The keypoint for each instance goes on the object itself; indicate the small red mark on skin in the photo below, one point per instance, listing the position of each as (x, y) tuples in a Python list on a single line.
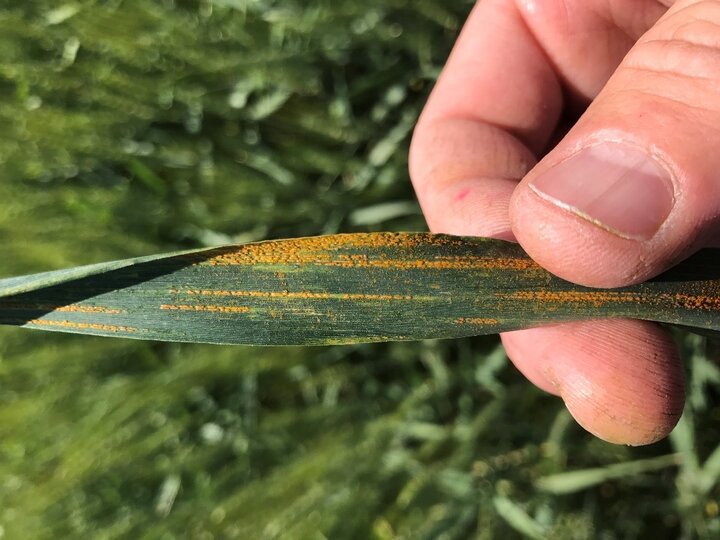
[(463, 193)]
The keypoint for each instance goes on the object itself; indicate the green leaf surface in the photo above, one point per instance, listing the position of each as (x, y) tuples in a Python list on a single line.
[(344, 288)]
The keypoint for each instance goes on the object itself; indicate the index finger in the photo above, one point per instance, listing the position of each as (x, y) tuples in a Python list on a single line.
[(495, 105)]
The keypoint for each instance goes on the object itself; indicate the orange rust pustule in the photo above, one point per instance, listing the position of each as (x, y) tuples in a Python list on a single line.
[(331, 251), (697, 301), (89, 309), (600, 298), (365, 261), (593, 298), (83, 326), (439, 263), (479, 321), (70, 308), (296, 295), (310, 248), (201, 307)]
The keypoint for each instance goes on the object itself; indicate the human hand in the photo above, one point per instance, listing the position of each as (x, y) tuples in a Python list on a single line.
[(632, 188)]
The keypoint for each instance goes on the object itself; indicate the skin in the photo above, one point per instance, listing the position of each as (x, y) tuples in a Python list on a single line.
[(527, 84)]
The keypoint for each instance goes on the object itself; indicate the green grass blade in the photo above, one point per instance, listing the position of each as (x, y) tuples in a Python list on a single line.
[(518, 519), (710, 471), (574, 481), (343, 289)]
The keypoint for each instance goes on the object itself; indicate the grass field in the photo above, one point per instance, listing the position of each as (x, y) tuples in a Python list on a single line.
[(134, 127)]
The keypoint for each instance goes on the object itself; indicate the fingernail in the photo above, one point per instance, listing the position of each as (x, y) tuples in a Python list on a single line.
[(617, 187)]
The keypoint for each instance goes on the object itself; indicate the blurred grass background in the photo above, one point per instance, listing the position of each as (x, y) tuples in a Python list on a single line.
[(132, 127)]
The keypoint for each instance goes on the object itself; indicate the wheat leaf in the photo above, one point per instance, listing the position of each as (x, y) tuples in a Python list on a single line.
[(343, 288)]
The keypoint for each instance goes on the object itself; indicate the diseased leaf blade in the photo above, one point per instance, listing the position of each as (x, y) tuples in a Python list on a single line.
[(343, 288)]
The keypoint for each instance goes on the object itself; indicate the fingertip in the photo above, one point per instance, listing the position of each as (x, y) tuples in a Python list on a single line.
[(472, 207), (526, 349), (621, 380), (464, 173), (576, 249)]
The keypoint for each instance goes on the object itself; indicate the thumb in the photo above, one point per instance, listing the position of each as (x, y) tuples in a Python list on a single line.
[(635, 185)]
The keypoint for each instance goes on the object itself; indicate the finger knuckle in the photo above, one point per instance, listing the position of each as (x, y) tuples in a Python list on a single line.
[(682, 48), (672, 58), (697, 23)]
